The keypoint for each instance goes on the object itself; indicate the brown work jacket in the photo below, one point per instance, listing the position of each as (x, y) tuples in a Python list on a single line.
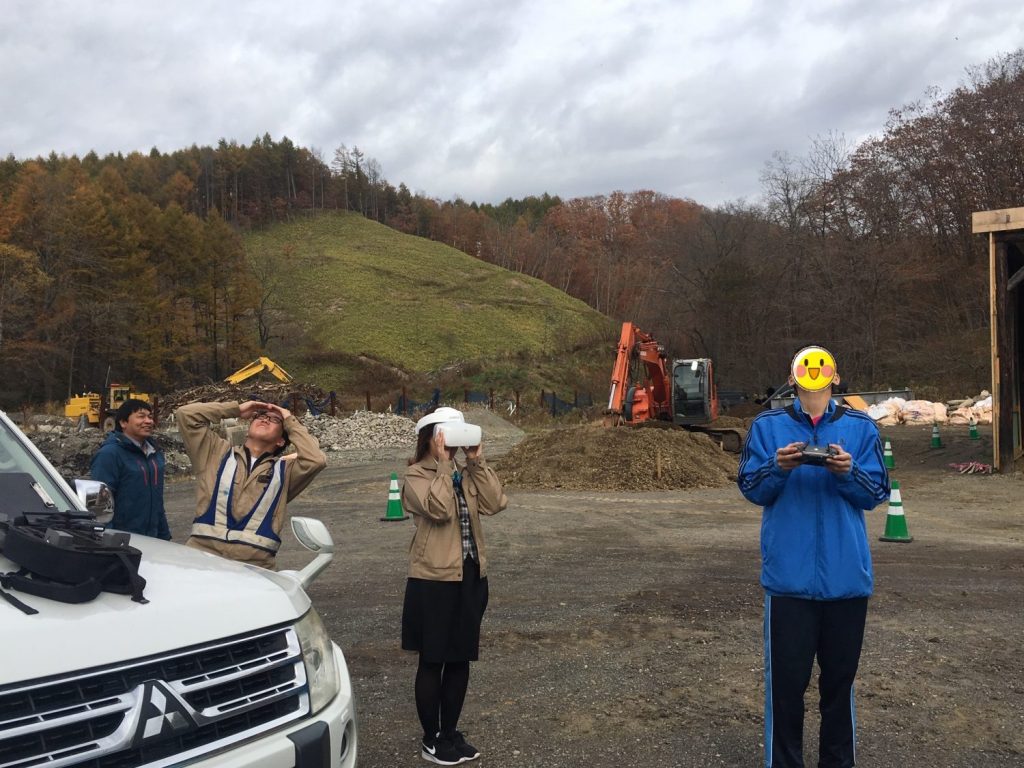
[(428, 494), (207, 449)]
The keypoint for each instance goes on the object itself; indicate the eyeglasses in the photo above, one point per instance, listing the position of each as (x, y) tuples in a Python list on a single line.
[(273, 418)]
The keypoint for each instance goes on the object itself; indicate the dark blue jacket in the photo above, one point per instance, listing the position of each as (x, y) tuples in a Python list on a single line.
[(814, 540), (137, 482)]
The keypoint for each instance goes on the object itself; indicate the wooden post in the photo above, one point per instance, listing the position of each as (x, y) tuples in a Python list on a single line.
[(404, 409), (1002, 364), (516, 393), (367, 399), (333, 399)]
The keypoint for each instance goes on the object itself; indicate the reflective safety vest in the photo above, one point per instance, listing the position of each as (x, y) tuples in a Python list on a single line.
[(257, 527)]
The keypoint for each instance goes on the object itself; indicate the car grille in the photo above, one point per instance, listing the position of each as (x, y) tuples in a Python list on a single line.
[(159, 710)]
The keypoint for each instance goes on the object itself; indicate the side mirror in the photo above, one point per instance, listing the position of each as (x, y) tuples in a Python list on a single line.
[(314, 536), (96, 498)]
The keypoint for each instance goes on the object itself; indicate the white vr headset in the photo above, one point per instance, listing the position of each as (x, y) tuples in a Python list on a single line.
[(459, 434), (450, 421)]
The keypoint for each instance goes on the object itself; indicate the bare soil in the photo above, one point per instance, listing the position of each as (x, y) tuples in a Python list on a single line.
[(625, 626)]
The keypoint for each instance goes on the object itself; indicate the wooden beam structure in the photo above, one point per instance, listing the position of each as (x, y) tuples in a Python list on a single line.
[(997, 221), (1005, 229)]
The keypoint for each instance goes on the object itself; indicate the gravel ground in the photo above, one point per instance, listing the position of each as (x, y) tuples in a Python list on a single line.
[(625, 627)]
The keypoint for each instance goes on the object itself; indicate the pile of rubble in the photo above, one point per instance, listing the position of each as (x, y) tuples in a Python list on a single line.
[(70, 449), (293, 395), (362, 430)]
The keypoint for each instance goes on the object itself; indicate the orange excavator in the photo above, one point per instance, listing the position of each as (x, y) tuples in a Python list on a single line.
[(646, 386)]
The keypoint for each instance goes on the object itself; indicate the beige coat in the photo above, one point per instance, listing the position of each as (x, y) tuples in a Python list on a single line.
[(206, 449), (429, 496)]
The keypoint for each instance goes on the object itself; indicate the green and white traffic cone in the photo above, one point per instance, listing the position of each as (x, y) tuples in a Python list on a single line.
[(887, 457), (395, 511), (936, 440), (972, 429), (895, 520)]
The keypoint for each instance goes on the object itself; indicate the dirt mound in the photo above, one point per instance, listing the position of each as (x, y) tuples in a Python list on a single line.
[(617, 459)]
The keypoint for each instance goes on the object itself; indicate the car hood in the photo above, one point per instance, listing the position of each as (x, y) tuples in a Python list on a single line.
[(194, 597)]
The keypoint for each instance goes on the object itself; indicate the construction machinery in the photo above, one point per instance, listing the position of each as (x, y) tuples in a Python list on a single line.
[(99, 411), (259, 365), (647, 387)]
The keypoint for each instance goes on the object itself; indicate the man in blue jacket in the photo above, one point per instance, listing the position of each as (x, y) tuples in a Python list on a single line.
[(133, 466), (815, 467)]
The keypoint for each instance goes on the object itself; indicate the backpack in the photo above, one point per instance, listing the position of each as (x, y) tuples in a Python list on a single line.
[(64, 556)]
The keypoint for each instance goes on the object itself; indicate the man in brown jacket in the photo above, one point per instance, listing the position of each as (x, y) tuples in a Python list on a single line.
[(243, 492)]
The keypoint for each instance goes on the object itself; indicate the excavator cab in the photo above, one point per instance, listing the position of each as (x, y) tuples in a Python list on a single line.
[(694, 400)]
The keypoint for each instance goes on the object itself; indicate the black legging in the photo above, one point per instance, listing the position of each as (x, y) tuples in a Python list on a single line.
[(440, 692)]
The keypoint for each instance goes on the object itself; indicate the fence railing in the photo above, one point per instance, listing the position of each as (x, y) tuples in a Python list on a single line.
[(547, 402)]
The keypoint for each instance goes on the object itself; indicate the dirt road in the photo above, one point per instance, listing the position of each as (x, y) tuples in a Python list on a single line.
[(625, 628)]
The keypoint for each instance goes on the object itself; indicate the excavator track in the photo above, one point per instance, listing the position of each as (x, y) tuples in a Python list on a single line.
[(731, 439)]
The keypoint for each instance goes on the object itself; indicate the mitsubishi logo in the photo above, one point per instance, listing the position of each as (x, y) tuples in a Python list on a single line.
[(162, 713)]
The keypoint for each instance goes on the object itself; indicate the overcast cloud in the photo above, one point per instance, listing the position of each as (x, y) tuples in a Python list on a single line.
[(488, 99)]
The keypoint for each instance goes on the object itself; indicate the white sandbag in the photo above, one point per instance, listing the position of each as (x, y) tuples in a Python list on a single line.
[(918, 412), (962, 415), (880, 411)]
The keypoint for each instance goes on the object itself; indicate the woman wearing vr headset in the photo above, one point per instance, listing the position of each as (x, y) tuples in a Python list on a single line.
[(446, 592)]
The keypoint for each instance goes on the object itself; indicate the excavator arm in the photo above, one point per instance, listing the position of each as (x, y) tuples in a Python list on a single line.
[(639, 356), (258, 365)]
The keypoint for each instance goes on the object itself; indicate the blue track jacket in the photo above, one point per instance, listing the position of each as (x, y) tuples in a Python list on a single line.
[(814, 541), (137, 482)]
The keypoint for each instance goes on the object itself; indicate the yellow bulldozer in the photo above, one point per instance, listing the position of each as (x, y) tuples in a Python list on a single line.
[(100, 413)]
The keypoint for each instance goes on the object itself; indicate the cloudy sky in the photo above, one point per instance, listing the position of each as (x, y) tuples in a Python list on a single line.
[(488, 99)]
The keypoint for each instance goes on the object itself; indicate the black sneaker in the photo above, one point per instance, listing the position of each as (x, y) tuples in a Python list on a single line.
[(463, 747), (440, 750)]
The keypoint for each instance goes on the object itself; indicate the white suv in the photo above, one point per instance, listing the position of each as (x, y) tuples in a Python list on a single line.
[(226, 665)]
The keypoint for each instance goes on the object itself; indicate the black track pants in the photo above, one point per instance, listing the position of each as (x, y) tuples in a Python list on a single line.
[(795, 632)]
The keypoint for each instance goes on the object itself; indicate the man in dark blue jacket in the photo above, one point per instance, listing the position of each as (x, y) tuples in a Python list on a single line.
[(815, 467), (133, 466)]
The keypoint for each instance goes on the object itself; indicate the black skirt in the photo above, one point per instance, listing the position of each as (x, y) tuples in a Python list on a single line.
[(441, 619)]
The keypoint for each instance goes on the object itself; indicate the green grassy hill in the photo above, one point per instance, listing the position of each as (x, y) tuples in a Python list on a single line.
[(354, 304)]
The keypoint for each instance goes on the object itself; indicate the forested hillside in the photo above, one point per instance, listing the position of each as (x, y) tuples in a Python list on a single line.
[(137, 266)]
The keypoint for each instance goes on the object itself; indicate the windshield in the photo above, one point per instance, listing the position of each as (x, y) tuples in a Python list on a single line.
[(688, 382), (17, 455)]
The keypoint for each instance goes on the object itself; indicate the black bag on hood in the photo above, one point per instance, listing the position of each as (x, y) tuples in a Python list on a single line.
[(65, 556)]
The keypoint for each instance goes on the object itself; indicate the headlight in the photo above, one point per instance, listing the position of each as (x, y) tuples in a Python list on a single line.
[(318, 656)]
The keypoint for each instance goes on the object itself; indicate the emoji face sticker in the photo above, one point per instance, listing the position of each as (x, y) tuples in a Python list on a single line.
[(813, 368)]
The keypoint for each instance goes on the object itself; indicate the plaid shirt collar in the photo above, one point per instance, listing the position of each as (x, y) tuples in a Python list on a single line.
[(469, 549)]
